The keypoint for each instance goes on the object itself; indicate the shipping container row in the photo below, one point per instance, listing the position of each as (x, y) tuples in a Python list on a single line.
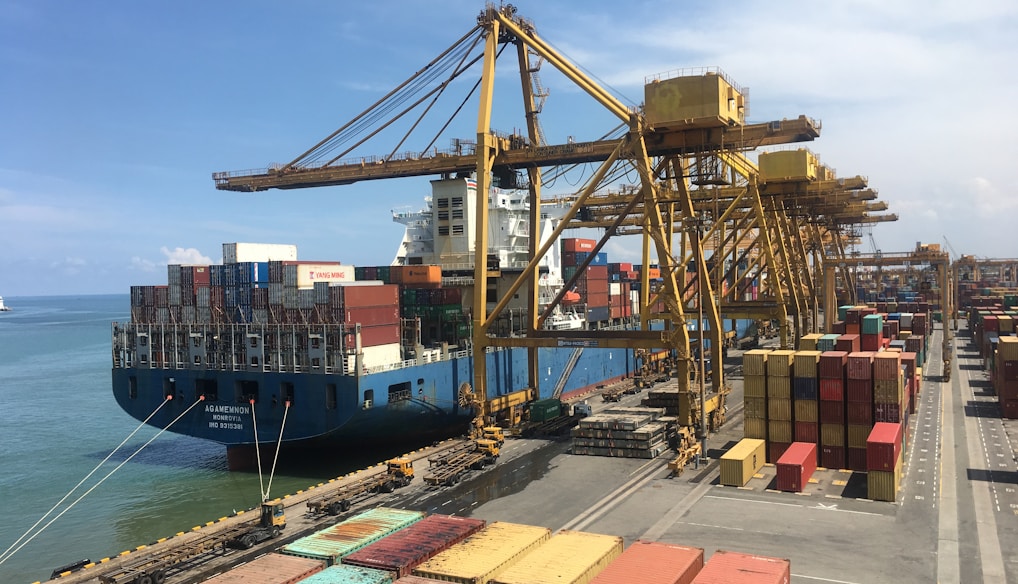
[(385, 545)]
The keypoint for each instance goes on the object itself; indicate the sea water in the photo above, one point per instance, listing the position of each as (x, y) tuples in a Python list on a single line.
[(59, 420)]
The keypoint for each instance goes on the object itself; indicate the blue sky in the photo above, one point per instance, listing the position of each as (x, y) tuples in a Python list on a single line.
[(115, 114)]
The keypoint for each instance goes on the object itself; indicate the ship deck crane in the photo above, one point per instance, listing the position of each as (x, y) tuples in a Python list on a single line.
[(670, 149)]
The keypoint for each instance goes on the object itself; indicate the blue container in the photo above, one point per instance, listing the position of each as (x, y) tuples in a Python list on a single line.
[(805, 388), (598, 314), (600, 259), (894, 316)]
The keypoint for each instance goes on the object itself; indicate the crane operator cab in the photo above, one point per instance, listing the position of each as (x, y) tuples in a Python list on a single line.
[(273, 514)]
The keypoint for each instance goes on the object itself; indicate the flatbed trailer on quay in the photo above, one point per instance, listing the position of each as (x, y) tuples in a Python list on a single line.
[(954, 520)]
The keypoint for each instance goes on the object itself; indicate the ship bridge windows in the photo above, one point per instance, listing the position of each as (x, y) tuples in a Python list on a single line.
[(457, 230), (207, 388), (443, 230), (245, 391), (457, 213), (400, 392)]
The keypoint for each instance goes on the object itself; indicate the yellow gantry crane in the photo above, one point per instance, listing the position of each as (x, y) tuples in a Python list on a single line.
[(696, 191)]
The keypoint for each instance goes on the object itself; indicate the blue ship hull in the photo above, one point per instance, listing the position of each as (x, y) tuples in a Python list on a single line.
[(335, 409)]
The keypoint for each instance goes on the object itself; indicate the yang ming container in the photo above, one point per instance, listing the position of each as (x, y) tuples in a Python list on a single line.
[(349, 575), (406, 549), (570, 557), (333, 543), (270, 569), (484, 555), (734, 568), (742, 461), (652, 562)]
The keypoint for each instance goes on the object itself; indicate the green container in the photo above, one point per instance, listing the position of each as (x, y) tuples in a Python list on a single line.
[(843, 311), (343, 574), (334, 543), (827, 342), (872, 324), (545, 409)]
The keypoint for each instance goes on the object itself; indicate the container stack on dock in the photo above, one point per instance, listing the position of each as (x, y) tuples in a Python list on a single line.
[(741, 462), (884, 460), (625, 432), (779, 402), (754, 382), (805, 391), (832, 407), (1005, 376)]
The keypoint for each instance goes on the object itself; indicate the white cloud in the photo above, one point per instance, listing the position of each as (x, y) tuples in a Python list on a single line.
[(184, 256), (143, 265)]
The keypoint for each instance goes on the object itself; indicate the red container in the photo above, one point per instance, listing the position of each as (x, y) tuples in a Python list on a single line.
[(653, 562), (373, 336), (886, 365), (807, 432), (832, 389), (838, 328), (575, 244), (832, 364), (832, 456), (372, 315), (990, 324), (857, 459), (892, 413), (859, 390), (775, 450), (832, 412), (1010, 368), (908, 359), (360, 296), (1009, 408), (853, 315), (859, 412), (848, 343), (407, 548), (726, 567), (872, 342), (796, 466), (883, 447), (859, 365), (271, 569)]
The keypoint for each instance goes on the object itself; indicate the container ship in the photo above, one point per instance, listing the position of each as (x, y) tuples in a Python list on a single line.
[(266, 348)]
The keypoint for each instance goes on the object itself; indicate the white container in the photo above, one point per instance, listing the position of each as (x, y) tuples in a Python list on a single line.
[(615, 288), (258, 252)]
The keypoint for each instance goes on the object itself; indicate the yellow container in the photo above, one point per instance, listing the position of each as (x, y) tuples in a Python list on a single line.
[(779, 408), (1005, 323), (755, 407), (484, 555), (754, 386), (809, 342), (883, 485), (742, 461), (779, 363), (754, 362), (779, 387), (805, 363), (695, 101), (570, 557), (1007, 348), (806, 410), (857, 435), (754, 428), (788, 165), (832, 435), (780, 430)]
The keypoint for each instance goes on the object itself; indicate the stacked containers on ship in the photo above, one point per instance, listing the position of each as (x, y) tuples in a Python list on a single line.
[(884, 448), (1006, 376), (832, 408), (780, 364), (754, 390), (370, 318), (439, 311), (805, 394)]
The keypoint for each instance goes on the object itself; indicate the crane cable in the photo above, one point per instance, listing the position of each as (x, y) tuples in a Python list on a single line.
[(101, 481)]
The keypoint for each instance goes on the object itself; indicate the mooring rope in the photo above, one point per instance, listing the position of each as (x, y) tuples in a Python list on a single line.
[(258, 451), (101, 481), (279, 442), (6, 552)]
